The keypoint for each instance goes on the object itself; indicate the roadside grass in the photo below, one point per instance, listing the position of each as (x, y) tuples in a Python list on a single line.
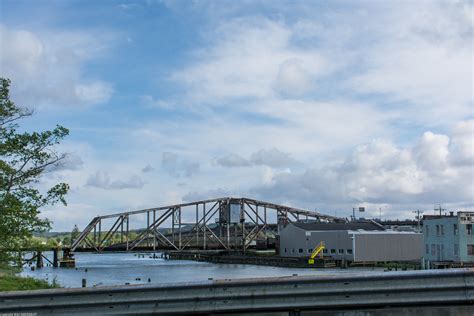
[(11, 282)]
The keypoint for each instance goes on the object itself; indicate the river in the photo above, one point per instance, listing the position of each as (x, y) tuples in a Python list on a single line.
[(100, 269)]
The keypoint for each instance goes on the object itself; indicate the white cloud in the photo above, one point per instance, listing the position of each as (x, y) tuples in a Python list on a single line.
[(178, 167), (422, 57), (150, 102), (264, 157), (101, 179), (94, 92), (72, 161), (211, 194), (232, 160), (272, 158), (337, 99), (431, 153), (169, 162), (148, 168), (248, 58), (382, 173), (45, 67), (462, 141), (293, 79)]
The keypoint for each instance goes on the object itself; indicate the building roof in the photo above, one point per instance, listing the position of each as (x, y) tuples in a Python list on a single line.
[(338, 226), (429, 217)]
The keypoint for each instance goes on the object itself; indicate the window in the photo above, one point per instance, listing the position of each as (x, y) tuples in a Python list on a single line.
[(333, 250), (470, 250), (442, 229), (469, 229), (300, 250), (433, 249), (437, 230), (456, 249), (285, 249), (310, 250), (341, 251), (455, 229), (427, 231), (292, 250), (325, 250), (349, 251), (427, 249)]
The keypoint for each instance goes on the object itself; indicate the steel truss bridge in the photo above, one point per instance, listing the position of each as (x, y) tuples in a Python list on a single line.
[(224, 223)]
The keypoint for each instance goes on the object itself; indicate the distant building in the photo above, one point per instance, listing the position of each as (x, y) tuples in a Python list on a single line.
[(449, 237), (354, 241)]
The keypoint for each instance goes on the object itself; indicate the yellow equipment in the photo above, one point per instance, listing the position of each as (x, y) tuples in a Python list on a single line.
[(316, 251)]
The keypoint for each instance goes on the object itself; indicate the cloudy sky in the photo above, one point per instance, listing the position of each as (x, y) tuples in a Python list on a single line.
[(316, 104)]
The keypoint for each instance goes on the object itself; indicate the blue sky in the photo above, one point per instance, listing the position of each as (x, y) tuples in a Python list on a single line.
[(325, 105)]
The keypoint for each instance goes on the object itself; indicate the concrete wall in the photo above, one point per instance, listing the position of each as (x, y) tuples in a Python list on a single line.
[(387, 246)]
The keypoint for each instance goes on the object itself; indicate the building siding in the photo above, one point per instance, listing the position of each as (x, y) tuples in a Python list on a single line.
[(371, 247), (292, 239), (443, 243)]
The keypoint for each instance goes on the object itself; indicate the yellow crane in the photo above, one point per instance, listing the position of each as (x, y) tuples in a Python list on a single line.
[(316, 251)]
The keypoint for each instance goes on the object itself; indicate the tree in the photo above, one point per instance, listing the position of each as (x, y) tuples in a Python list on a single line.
[(24, 158), (74, 234)]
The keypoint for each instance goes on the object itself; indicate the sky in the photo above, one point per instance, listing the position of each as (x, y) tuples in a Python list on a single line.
[(323, 105)]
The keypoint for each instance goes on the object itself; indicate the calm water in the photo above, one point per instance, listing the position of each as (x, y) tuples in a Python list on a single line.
[(121, 268)]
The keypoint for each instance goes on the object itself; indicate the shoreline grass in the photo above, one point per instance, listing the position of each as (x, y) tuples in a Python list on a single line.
[(11, 282)]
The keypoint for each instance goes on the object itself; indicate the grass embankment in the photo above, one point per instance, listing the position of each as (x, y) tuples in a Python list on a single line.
[(11, 282)]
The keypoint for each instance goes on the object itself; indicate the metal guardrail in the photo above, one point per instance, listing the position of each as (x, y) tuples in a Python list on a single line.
[(281, 294)]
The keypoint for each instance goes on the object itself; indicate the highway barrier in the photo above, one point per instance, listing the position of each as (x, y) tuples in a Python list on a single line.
[(451, 290)]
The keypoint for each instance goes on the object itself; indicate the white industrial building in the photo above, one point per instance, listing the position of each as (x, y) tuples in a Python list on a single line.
[(354, 242)]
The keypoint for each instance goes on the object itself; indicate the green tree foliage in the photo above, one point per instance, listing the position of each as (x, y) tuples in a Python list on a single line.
[(74, 234), (24, 158)]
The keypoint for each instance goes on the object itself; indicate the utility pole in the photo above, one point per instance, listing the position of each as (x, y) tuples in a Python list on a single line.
[(439, 209), (418, 212)]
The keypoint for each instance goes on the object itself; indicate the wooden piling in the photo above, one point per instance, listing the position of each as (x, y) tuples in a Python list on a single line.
[(55, 257), (39, 260)]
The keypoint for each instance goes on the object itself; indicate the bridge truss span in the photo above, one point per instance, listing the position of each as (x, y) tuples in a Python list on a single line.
[(222, 224)]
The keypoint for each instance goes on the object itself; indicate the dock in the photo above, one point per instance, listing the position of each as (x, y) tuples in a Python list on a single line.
[(255, 258)]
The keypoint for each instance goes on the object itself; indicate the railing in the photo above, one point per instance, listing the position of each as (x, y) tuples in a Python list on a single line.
[(316, 251), (451, 289)]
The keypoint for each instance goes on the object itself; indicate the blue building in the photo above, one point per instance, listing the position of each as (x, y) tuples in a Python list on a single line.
[(449, 238)]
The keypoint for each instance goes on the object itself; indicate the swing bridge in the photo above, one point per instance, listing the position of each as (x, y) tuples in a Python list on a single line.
[(217, 224)]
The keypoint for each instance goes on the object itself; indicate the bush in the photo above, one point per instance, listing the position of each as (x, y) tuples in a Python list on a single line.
[(17, 283)]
